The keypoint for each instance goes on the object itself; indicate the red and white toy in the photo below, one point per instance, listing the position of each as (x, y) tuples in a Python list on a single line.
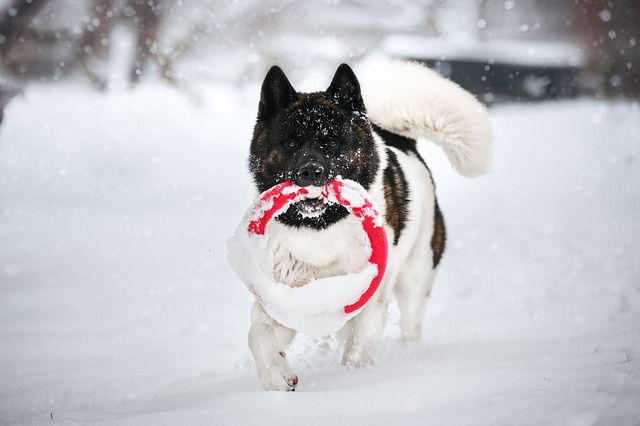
[(321, 306)]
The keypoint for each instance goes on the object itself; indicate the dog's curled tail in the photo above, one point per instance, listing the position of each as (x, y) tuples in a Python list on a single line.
[(412, 100)]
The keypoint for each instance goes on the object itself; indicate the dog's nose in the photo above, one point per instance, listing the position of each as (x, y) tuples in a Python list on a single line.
[(312, 173)]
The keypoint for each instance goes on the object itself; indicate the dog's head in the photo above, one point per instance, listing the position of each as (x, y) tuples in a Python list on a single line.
[(311, 138)]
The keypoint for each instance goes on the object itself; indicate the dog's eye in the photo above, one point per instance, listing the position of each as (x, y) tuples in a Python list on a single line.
[(332, 144), (291, 144)]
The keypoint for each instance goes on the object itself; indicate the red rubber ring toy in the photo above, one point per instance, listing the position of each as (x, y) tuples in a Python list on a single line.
[(323, 305), (367, 214)]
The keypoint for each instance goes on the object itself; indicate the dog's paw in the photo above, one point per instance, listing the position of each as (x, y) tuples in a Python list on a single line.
[(277, 376), (278, 380)]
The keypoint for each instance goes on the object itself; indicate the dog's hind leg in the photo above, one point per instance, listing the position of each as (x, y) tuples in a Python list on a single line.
[(412, 291), (362, 334), (267, 340), (413, 286)]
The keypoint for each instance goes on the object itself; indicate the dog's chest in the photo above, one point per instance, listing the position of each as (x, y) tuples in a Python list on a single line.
[(301, 254)]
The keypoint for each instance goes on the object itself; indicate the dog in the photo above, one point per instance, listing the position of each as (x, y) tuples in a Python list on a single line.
[(369, 136)]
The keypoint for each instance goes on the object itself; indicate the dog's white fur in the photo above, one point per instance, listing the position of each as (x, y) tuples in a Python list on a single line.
[(413, 101)]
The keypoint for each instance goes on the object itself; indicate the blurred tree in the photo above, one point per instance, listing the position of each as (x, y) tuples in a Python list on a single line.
[(34, 46), (145, 15), (610, 34), (15, 23)]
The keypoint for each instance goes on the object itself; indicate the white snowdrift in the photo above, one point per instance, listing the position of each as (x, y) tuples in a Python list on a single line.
[(118, 306)]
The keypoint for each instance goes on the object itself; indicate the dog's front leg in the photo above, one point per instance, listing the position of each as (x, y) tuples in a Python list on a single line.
[(363, 333), (267, 340)]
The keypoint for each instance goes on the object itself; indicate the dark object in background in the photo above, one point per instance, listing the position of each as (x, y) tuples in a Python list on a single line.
[(493, 81), (498, 70)]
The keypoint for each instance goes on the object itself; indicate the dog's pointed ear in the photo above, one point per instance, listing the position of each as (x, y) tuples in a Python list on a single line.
[(277, 93), (344, 89)]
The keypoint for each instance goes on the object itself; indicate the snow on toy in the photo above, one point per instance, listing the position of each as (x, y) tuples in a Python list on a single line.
[(323, 305)]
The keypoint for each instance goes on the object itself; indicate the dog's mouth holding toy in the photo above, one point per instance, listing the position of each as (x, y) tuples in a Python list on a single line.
[(323, 305), (312, 204)]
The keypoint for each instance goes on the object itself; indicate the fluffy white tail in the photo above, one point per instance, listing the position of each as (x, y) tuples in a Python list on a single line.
[(412, 100)]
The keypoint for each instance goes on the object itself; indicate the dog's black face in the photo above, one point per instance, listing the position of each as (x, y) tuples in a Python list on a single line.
[(311, 138)]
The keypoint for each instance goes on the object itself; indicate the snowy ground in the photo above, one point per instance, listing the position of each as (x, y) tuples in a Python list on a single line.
[(117, 306)]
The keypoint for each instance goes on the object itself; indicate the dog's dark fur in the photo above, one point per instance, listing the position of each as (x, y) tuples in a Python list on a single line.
[(324, 131)]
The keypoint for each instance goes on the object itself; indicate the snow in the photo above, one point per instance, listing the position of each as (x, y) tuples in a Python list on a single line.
[(322, 306), (118, 307)]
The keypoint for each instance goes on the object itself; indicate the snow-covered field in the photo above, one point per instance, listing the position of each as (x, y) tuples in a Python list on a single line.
[(117, 306)]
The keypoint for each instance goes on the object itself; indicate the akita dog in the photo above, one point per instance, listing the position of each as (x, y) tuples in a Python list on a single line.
[(311, 139)]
